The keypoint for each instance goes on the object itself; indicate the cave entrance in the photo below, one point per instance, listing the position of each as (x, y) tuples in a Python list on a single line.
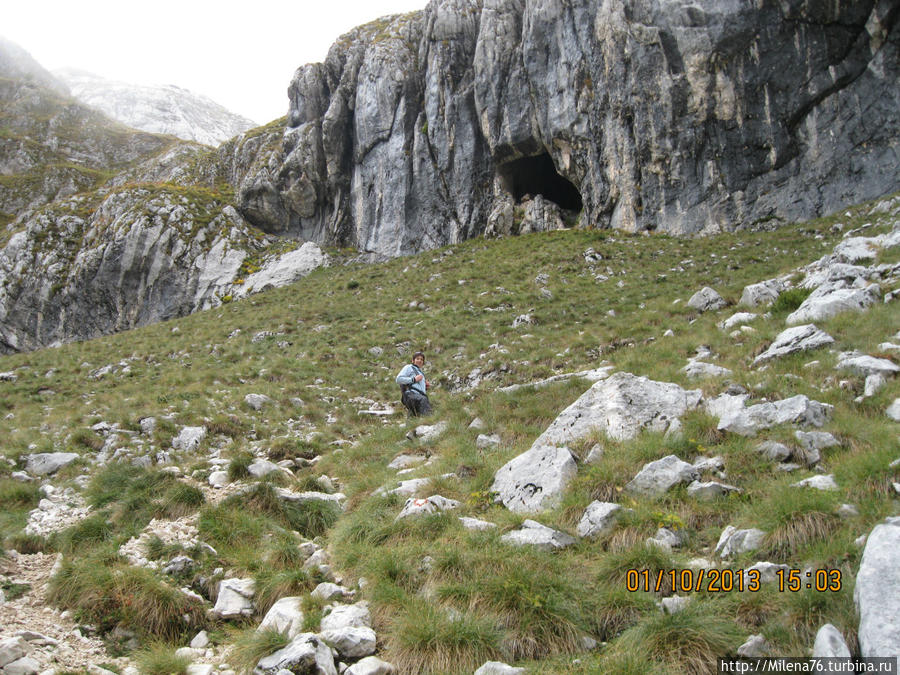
[(538, 176)]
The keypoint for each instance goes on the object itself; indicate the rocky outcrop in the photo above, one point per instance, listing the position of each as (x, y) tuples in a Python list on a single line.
[(428, 128), (161, 109), (136, 256)]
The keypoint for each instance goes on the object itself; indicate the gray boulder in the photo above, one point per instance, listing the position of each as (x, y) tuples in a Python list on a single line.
[(863, 365), (235, 598), (733, 541), (305, 653), (257, 401), (877, 592), (428, 506), (371, 665), (621, 406), (599, 519), (710, 490), (817, 483), (285, 616), (773, 450), (540, 536), (535, 480), (798, 410), (830, 643), (826, 302), (893, 410), (46, 463), (348, 616), (793, 340), (706, 300), (351, 642), (13, 649), (763, 293), (189, 438), (658, 477)]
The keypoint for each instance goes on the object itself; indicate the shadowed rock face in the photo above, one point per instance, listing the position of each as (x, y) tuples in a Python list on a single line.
[(678, 116)]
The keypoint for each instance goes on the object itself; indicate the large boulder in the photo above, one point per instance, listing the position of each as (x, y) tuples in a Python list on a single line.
[(877, 592), (45, 463), (305, 653), (799, 410), (657, 478), (793, 340), (285, 616), (621, 406), (535, 480)]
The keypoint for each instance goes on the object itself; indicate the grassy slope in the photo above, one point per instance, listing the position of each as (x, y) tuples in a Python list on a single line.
[(507, 604)]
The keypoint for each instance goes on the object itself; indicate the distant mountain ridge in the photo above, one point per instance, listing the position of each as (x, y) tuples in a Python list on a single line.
[(161, 109)]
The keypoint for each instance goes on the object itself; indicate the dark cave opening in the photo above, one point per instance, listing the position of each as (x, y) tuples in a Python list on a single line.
[(538, 175)]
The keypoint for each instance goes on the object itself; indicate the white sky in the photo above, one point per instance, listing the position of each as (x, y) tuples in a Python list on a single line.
[(240, 54)]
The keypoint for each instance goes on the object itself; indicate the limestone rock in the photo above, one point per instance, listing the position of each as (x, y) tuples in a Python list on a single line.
[(285, 616), (351, 642), (706, 300), (344, 616), (430, 505), (798, 410), (540, 536), (710, 490), (189, 438), (45, 463), (370, 665), (658, 477), (536, 479), (734, 541), (793, 340), (817, 483), (599, 519), (306, 652), (827, 301), (862, 365), (235, 598), (830, 643), (877, 592)]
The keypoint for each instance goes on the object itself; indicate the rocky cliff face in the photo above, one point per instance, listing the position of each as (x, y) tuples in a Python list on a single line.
[(684, 117), (159, 109)]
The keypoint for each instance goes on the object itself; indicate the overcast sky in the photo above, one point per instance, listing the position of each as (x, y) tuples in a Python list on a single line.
[(240, 54)]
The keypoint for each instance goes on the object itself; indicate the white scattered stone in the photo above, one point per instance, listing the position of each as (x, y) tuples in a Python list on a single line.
[(371, 665), (540, 536), (657, 478), (351, 642), (430, 505), (877, 592), (305, 653), (13, 649), (201, 640), (343, 616), (768, 571), (595, 455), (710, 490), (257, 401), (773, 450), (487, 441), (189, 438), (697, 369), (235, 598), (285, 616), (827, 301), (260, 468), (798, 410), (24, 666), (864, 366), (535, 480), (706, 300), (218, 479), (329, 591), (755, 647), (45, 463), (793, 340), (830, 643), (427, 433), (498, 668), (817, 483), (763, 293), (893, 410), (475, 524), (406, 461), (734, 541), (200, 669), (674, 604), (599, 519)]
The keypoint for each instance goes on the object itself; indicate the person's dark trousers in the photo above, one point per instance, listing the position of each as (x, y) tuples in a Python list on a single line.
[(417, 404)]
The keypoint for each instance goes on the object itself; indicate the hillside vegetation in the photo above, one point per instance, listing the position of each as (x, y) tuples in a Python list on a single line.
[(445, 599)]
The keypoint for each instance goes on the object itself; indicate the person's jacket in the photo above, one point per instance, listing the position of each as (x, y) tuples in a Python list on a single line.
[(408, 376)]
